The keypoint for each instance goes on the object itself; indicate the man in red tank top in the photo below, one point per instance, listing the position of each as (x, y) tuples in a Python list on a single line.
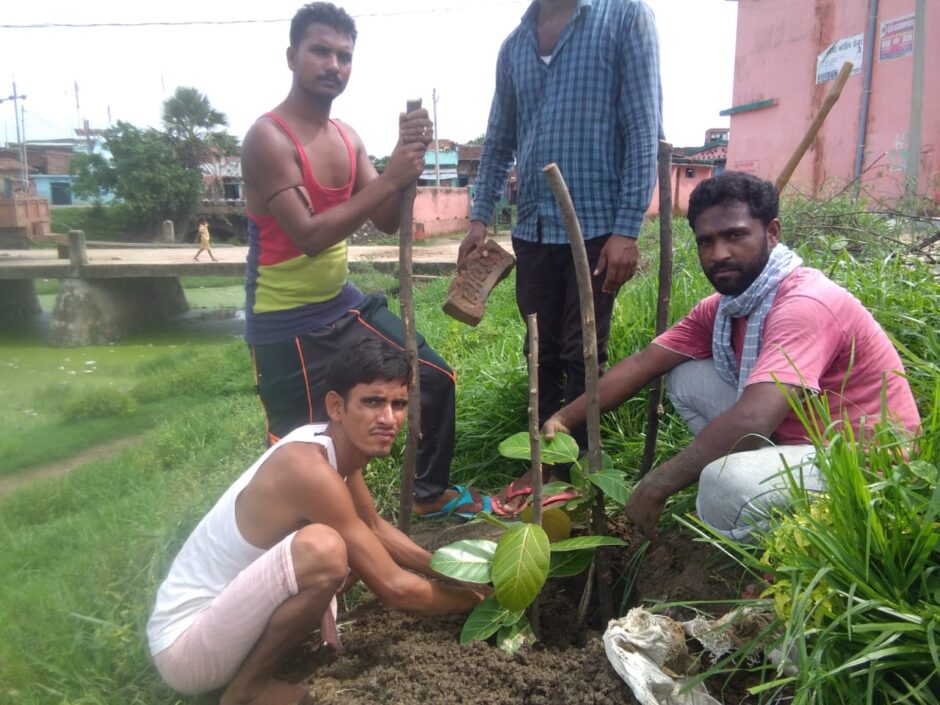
[(309, 184)]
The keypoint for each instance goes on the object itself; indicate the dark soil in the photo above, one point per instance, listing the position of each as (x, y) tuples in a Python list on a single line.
[(391, 658)]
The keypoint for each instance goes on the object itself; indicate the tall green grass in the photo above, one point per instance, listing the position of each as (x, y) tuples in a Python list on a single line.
[(854, 573)]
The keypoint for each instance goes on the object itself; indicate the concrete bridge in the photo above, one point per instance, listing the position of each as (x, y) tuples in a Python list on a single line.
[(108, 292)]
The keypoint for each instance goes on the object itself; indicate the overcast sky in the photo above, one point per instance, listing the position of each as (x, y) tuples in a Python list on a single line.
[(406, 48)]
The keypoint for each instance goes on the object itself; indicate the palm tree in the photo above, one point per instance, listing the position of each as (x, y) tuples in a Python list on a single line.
[(194, 127)]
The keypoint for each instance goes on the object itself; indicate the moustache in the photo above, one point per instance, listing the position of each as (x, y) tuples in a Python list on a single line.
[(719, 268)]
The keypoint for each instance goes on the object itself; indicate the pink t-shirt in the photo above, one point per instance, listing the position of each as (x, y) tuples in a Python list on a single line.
[(808, 341)]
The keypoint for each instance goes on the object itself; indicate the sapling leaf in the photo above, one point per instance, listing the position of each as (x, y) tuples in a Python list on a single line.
[(512, 637), (516, 446), (561, 449), (520, 565), (486, 619), (612, 484), (470, 560), (555, 488), (568, 563), (580, 542)]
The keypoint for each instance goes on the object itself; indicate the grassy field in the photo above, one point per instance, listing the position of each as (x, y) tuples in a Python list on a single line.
[(83, 554)]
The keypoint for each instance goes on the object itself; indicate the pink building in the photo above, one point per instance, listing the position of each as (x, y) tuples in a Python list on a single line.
[(786, 56), (691, 166)]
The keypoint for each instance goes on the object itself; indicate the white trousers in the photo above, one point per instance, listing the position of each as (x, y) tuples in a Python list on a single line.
[(737, 492)]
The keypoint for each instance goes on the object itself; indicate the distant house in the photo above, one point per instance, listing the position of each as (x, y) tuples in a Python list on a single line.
[(468, 163), (49, 165), (11, 174), (443, 161), (885, 129), (691, 166), (222, 179)]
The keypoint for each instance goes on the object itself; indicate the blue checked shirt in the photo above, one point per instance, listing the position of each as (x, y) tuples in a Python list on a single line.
[(595, 110)]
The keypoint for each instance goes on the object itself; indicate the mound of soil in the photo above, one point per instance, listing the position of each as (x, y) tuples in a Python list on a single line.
[(393, 659)]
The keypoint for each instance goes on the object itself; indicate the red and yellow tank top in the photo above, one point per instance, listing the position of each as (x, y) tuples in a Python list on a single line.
[(287, 291)]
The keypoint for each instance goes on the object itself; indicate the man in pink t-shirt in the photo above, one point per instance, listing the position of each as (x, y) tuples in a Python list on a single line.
[(775, 331)]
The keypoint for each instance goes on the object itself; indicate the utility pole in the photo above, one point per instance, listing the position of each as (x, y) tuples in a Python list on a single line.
[(915, 137), (21, 140), (437, 144)]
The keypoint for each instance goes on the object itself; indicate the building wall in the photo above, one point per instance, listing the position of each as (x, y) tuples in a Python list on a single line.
[(685, 177), (439, 211), (777, 46)]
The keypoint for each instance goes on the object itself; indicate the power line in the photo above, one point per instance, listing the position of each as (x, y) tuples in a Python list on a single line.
[(204, 23)]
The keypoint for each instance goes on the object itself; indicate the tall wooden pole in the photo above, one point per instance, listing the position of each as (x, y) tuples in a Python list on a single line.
[(406, 296), (824, 108), (654, 408), (589, 342), (534, 435)]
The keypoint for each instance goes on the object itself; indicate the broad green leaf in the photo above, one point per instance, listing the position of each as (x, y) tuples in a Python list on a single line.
[(520, 565), (512, 637), (568, 563), (579, 542), (516, 446), (612, 484), (470, 560), (555, 488), (486, 619), (561, 449), (577, 476)]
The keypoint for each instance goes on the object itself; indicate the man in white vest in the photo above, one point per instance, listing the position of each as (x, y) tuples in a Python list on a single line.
[(262, 568)]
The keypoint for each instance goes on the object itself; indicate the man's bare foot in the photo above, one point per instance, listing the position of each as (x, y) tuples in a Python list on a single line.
[(274, 692), (450, 494)]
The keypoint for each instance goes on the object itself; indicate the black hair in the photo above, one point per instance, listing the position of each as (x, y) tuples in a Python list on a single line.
[(325, 13), (760, 196), (366, 361)]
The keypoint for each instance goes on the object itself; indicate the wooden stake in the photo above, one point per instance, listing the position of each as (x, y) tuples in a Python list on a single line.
[(536, 450), (534, 434), (406, 296), (654, 408), (824, 108), (589, 342)]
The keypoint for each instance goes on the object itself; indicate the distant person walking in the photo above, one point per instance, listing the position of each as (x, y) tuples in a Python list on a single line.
[(204, 240)]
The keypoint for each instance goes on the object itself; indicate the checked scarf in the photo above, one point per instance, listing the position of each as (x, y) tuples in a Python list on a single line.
[(753, 303)]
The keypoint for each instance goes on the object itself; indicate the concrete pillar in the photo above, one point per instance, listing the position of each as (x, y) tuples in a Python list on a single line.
[(18, 300), (78, 254), (168, 233), (97, 311)]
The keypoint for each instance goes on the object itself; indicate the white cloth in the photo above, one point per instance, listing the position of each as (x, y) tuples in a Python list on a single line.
[(638, 646), (753, 303), (214, 554)]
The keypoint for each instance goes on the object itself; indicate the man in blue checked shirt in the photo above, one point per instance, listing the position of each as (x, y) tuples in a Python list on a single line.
[(577, 83)]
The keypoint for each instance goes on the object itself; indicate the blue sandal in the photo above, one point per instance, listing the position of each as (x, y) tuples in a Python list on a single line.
[(464, 496)]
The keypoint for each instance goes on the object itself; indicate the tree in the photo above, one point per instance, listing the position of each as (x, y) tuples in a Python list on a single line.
[(145, 173), (477, 140), (194, 127), (379, 162)]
